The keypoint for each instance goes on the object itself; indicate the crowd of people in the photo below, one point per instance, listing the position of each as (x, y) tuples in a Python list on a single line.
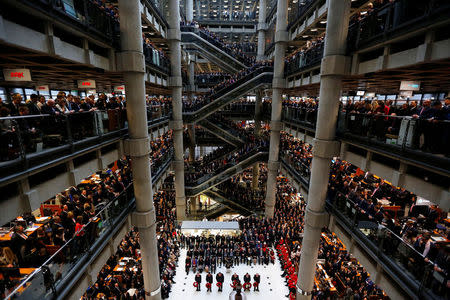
[(69, 222), (239, 188), (123, 279), (305, 57), (394, 209), (210, 78), (155, 55), (221, 159), (233, 49), (223, 87), (72, 218), (382, 119)]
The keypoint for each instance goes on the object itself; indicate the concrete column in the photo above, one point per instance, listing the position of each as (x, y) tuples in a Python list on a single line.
[(138, 146), (262, 27), (325, 147), (191, 78), (27, 196), (189, 10), (72, 172), (258, 107), (278, 83), (202, 151), (175, 83), (191, 132)]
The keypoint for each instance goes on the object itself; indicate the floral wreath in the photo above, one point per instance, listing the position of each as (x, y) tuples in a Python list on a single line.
[(247, 286), (195, 284), (219, 284)]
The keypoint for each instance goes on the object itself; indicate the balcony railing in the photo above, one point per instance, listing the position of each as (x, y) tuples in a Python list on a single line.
[(423, 140), (28, 141), (54, 275), (84, 14), (305, 59), (400, 259), (393, 19)]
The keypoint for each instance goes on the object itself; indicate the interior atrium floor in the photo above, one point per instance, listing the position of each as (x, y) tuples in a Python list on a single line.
[(272, 284)]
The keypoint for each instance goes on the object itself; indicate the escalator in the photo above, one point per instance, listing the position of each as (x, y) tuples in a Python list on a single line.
[(212, 212), (257, 78), (210, 180), (218, 196), (222, 131), (195, 40)]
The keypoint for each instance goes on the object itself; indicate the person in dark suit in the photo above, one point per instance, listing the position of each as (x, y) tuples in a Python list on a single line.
[(15, 104), (49, 108), (209, 279), (33, 108), (257, 279), (198, 279), (220, 278), (18, 243)]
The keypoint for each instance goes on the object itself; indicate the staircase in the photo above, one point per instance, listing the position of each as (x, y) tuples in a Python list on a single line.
[(257, 78), (197, 41), (219, 196), (210, 180), (222, 131)]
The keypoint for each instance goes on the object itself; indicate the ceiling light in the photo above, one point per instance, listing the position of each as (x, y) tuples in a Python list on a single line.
[(323, 22), (363, 12), (313, 29), (305, 36)]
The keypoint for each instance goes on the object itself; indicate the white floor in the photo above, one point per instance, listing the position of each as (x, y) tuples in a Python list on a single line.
[(272, 285)]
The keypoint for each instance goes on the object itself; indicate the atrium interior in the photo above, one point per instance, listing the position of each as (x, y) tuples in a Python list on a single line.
[(225, 149)]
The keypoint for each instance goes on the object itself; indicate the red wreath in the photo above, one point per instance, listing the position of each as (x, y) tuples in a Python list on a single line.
[(255, 284), (247, 286), (234, 284), (195, 284), (208, 285), (219, 284), (292, 296)]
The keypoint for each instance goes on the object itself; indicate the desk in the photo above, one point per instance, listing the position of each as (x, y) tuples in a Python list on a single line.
[(29, 231)]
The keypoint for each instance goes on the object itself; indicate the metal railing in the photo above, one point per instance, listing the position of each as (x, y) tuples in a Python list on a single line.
[(408, 137), (85, 14), (53, 276), (28, 141), (305, 59), (400, 259), (395, 18)]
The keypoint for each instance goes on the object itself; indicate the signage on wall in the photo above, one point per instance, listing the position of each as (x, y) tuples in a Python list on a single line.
[(410, 86), (17, 74), (119, 88), (86, 84), (42, 88)]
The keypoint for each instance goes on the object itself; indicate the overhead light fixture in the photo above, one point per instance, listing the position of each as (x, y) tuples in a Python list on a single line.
[(305, 36), (323, 22), (364, 12), (313, 29)]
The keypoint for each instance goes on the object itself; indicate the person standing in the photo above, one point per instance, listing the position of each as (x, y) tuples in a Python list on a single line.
[(220, 280), (198, 280), (209, 279), (257, 279)]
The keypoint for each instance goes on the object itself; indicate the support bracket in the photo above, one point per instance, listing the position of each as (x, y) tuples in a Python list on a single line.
[(334, 65), (144, 219), (325, 148), (131, 61), (276, 125), (316, 219), (137, 147), (273, 165)]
